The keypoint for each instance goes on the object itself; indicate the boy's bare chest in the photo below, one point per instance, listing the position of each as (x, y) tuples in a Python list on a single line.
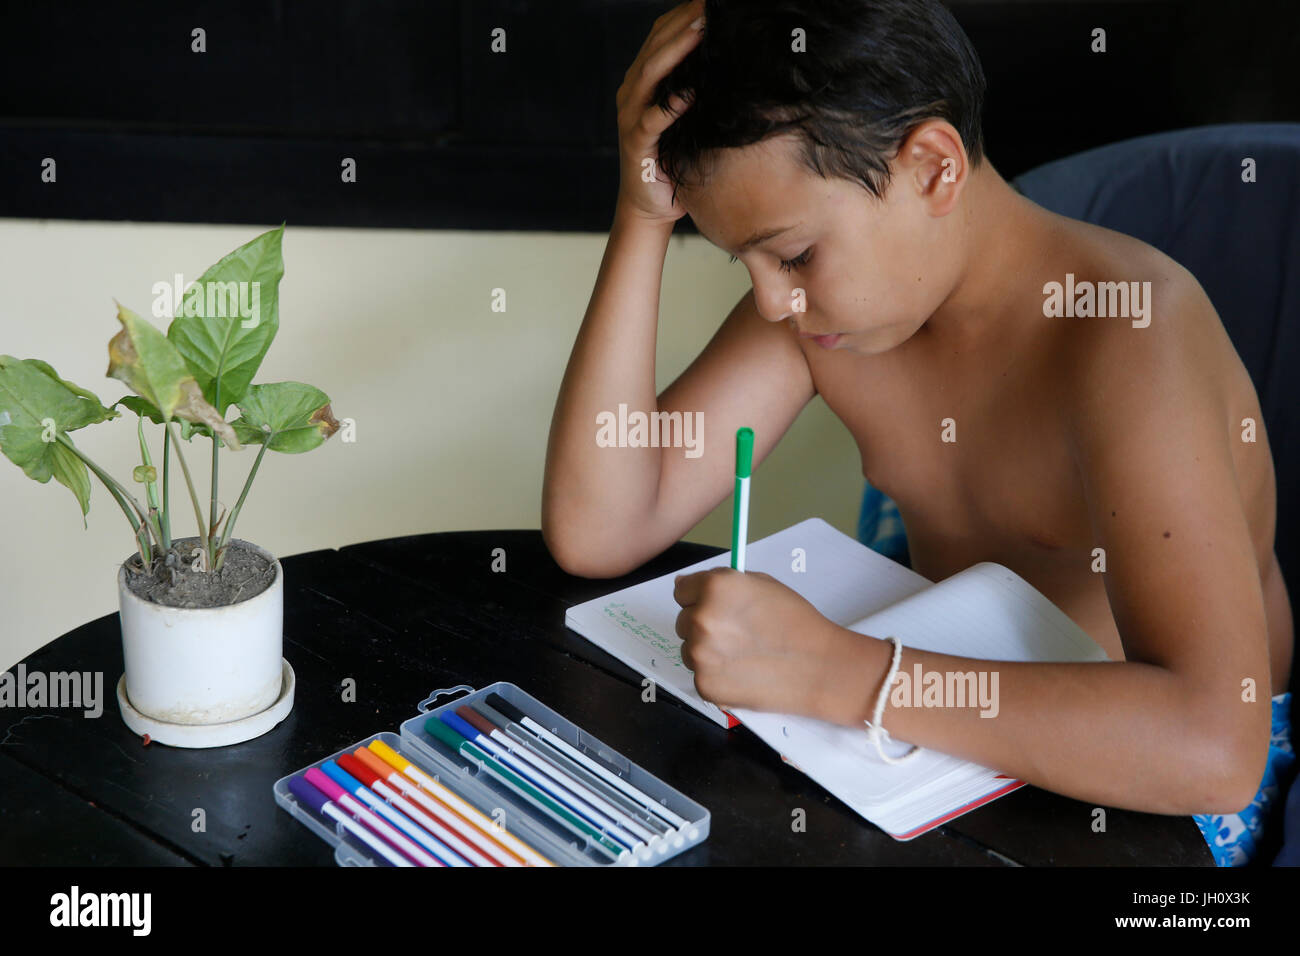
[(976, 458), (980, 468)]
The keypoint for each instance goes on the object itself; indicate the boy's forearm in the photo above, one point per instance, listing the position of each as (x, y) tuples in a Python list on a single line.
[(1121, 734), (587, 489)]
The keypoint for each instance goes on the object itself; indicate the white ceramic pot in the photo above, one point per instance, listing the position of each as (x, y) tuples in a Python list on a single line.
[(202, 666)]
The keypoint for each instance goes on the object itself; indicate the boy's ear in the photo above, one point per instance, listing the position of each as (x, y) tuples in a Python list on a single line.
[(932, 161)]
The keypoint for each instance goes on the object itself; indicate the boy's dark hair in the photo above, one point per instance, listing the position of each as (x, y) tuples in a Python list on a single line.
[(872, 72)]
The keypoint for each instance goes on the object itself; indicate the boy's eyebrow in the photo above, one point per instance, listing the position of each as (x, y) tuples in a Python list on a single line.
[(763, 236)]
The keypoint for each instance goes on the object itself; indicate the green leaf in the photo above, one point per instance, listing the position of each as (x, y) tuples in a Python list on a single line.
[(144, 473), (48, 369), (144, 359), (142, 408), (36, 406), (217, 330), (288, 417), (150, 411), (71, 472)]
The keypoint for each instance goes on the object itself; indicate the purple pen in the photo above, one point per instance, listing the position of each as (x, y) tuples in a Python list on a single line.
[(314, 798)]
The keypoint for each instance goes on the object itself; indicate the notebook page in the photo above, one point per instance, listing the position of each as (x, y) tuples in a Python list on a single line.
[(986, 612), (839, 576)]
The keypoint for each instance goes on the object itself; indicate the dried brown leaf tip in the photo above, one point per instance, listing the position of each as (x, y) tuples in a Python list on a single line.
[(325, 416)]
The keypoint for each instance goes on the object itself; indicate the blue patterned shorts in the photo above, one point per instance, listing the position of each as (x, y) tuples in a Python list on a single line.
[(1233, 838), (880, 526)]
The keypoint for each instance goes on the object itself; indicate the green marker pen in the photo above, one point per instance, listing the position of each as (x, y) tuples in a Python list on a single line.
[(522, 788), (740, 507)]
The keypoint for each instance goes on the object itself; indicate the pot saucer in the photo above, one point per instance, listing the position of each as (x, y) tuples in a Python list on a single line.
[(209, 735)]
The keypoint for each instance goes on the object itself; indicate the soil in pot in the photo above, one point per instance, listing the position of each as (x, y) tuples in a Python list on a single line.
[(173, 582)]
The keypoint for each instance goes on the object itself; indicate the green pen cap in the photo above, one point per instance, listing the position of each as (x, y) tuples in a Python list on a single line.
[(436, 728), (744, 451)]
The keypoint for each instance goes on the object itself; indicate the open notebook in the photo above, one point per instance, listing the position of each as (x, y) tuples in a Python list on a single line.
[(985, 612)]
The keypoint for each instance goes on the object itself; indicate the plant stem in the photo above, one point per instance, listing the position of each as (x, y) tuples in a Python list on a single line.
[(151, 490), (198, 511), (165, 519), (152, 524), (212, 509), (120, 495), (110, 482), (216, 443), (146, 553), (234, 514)]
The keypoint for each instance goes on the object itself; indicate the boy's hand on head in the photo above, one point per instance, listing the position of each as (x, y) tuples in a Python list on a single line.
[(640, 122), (753, 642)]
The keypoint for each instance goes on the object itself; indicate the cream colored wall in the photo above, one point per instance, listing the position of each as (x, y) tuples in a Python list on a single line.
[(451, 400)]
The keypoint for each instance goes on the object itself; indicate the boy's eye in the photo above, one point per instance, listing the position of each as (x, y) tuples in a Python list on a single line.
[(796, 262), (788, 264)]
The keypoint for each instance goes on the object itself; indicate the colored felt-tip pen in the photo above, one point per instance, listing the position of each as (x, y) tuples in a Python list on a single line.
[(559, 793), (424, 800), (740, 500), (561, 762), (400, 820), (514, 713), (428, 829), (428, 787), (604, 814), (458, 744), (354, 807), (315, 799)]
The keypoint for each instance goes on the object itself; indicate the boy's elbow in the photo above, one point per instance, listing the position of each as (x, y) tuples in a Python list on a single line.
[(1235, 793), (562, 550), (1237, 768), (564, 544), (580, 558), (575, 561), (1251, 763)]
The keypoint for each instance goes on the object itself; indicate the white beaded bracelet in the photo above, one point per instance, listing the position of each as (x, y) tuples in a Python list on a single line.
[(874, 730)]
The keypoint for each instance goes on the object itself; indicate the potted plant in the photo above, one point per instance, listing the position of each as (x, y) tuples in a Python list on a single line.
[(201, 616)]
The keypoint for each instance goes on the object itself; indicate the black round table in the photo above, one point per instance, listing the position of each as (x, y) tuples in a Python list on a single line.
[(405, 616)]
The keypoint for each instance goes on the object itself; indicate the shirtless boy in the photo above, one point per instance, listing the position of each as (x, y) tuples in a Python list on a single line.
[(906, 286)]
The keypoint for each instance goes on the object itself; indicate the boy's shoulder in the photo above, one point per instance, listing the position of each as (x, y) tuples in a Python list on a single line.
[(1134, 331)]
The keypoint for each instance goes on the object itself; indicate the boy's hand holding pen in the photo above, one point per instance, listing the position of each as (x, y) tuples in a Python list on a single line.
[(751, 641)]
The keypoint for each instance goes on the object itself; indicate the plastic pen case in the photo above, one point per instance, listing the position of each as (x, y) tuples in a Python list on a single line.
[(494, 777)]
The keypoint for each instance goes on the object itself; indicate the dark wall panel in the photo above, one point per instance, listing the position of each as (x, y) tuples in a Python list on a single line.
[(448, 134)]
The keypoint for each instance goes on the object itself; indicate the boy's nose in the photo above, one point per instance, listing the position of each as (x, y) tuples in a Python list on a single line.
[(774, 306)]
